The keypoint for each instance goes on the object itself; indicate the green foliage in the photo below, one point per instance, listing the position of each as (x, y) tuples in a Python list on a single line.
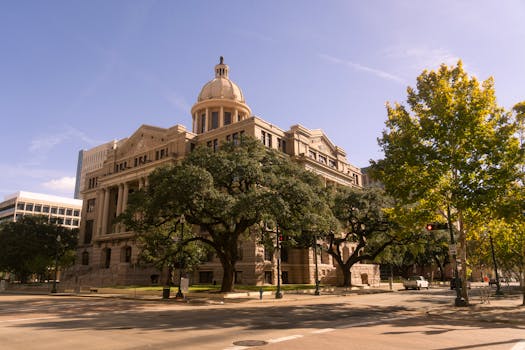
[(454, 149), (224, 194), (364, 215), (457, 147), (29, 246)]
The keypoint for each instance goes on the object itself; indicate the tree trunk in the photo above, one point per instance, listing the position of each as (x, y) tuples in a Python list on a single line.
[(169, 274), (227, 278), (523, 271), (462, 240), (347, 278)]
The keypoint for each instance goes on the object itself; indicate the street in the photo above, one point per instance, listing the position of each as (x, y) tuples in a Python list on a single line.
[(398, 320)]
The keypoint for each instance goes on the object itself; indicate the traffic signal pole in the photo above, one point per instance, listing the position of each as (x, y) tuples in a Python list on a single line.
[(459, 301)]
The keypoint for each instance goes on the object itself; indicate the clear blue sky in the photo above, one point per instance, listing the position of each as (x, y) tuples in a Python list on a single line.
[(74, 74)]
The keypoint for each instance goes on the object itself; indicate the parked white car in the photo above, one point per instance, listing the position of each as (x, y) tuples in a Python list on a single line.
[(415, 282)]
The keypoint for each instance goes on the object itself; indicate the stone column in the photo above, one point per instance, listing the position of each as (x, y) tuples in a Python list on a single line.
[(99, 202), (221, 117), (105, 210), (125, 197), (235, 115), (119, 199), (207, 123)]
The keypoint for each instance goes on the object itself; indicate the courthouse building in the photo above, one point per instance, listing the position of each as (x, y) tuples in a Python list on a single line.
[(108, 253)]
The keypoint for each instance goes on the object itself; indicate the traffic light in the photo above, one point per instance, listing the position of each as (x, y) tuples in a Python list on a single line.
[(437, 226)]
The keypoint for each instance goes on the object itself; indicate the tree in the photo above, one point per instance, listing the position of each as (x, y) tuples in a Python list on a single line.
[(364, 217), (224, 193), (456, 149), (29, 246)]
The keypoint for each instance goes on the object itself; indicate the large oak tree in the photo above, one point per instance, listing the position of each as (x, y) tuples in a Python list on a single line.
[(224, 193)]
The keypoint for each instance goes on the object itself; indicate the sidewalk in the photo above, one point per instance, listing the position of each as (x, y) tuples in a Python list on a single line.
[(502, 309), (506, 309)]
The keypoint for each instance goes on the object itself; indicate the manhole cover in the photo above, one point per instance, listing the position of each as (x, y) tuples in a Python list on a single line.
[(250, 343)]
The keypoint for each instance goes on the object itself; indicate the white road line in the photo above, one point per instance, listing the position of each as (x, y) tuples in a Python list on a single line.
[(290, 337), (325, 330), (519, 346)]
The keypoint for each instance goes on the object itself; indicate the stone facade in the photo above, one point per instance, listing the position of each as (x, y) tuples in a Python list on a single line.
[(107, 253)]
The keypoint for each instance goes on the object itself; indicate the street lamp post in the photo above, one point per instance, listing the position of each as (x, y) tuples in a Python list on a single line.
[(179, 294), (54, 289), (317, 292), (498, 287), (278, 294)]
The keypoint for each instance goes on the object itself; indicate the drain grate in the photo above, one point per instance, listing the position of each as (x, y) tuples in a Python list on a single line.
[(250, 343)]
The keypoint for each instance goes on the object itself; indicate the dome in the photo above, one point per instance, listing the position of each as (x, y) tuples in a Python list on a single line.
[(221, 87)]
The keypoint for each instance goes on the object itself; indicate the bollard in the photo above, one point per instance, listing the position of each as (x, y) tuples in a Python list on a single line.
[(260, 293)]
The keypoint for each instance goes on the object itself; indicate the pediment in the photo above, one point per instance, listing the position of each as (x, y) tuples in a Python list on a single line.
[(143, 139), (321, 142)]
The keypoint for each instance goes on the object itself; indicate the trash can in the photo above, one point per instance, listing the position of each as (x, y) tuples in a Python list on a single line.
[(166, 293)]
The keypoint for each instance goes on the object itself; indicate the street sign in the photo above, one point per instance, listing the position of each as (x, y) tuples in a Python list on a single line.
[(452, 249)]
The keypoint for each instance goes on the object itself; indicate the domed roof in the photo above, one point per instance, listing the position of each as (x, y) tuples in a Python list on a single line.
[(221, 87)]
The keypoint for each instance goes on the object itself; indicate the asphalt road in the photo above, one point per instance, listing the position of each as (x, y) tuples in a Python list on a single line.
[(396, 320)]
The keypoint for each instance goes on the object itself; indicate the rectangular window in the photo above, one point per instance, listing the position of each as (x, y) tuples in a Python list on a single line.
[(75, 222), (284, 254), (205, 276), (29, 207), (227, 118), (214, 120), (88, 233), (107, 260), (69, 212), (54, 210), (20, 206), (38, 208), (238, 277), (269, 136), (127, 254), (203, 123), (235, 138), (312, 154), (228, 138), (284, 277), (76, 212), (90, 206), (268, 277), (268, 254), (45, 209), (68, 222), (333, 163), (322, 159), (61, 211), (215, 145), (208, 144)]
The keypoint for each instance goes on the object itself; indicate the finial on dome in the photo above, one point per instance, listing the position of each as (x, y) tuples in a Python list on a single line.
[(221, 70)]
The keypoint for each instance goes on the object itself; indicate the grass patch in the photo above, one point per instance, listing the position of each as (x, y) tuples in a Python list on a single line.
[(196, 288)]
